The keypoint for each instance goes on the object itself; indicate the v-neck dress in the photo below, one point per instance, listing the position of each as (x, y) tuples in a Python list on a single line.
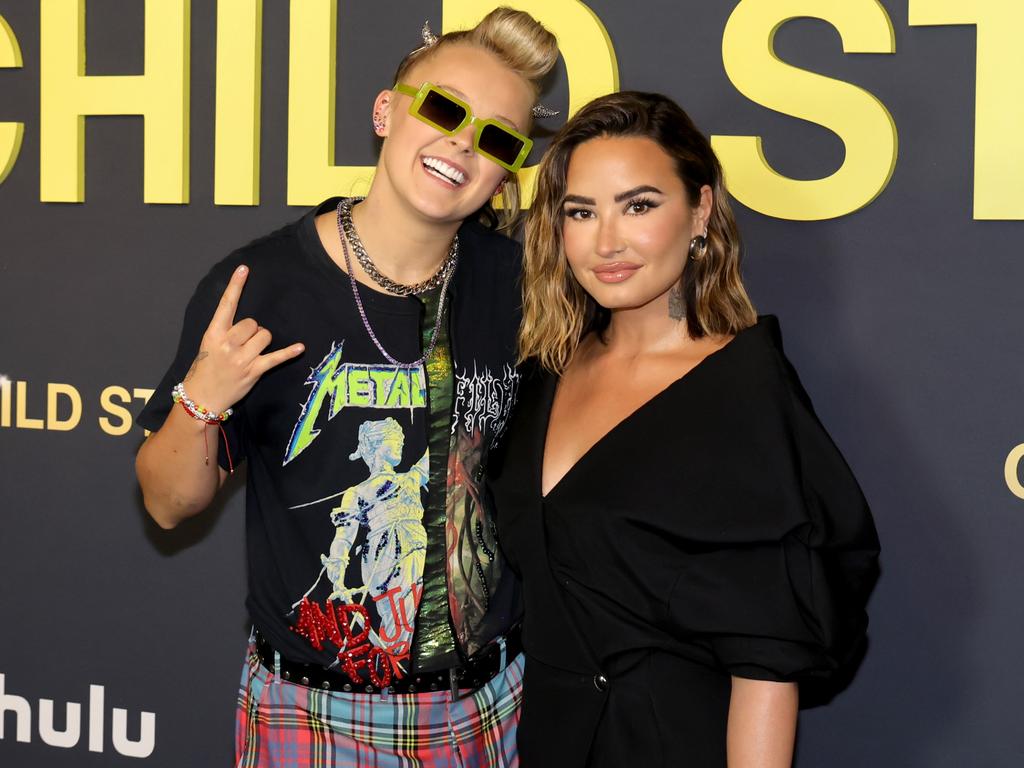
[(716, 531)]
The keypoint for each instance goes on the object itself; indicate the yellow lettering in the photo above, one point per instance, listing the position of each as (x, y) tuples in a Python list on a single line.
[(860, 120), (67, 96), (107, 398), (236, 179), (144, 395), (5, 401), (1011, 471), (21, 419), (586, 48), (999, 98), (53, 421), (312, 62), (11, 134)]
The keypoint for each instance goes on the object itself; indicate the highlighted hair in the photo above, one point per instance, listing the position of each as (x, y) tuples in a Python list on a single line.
[(557, 312), (523, 45)]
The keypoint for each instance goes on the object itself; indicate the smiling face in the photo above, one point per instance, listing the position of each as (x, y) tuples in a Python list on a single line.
[(628, 220), (442, 178)]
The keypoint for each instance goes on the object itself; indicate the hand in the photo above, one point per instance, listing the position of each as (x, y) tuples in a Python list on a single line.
[(230, 359), (336, 567)]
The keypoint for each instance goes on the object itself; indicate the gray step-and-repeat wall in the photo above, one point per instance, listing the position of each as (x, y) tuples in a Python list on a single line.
[(874, 149)]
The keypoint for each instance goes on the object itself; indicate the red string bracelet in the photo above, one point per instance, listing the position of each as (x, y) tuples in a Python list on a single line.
[(206, 416)]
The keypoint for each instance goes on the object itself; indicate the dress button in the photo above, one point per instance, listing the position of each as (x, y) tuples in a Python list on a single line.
[(600, 682)]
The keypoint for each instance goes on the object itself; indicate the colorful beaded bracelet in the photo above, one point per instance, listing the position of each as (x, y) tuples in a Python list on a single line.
[(195, 410), (206, 416)]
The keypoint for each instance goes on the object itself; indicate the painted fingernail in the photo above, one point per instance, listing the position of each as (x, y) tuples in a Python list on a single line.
[(242, 269)]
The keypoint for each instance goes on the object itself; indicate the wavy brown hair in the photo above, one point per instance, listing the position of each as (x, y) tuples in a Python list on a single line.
[(526, 47), (557, 312)]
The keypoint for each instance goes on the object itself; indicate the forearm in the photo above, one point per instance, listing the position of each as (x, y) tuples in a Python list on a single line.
[(762, 724), (176, 481)]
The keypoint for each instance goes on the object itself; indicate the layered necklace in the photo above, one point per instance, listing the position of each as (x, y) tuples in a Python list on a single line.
[(347, 233)]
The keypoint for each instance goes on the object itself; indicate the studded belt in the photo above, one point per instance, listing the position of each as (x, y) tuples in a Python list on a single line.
[(474, 673)]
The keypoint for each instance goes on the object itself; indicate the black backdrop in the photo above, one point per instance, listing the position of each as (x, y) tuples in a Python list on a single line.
[(901, 317)]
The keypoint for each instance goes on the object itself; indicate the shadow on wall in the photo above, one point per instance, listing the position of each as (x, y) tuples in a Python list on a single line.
[(912, 687)]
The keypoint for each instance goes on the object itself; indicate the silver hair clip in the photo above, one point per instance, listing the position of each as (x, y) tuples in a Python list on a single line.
[(541, 111), (429, 38)]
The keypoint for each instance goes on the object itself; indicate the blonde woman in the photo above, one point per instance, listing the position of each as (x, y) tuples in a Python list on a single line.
[(692, 544), (388, 314)]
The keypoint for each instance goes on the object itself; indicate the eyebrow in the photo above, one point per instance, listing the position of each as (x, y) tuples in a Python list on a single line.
[(636, 191), (581, 200), (461, 95)]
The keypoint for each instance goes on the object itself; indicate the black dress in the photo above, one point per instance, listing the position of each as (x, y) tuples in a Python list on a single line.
[(716, 531)]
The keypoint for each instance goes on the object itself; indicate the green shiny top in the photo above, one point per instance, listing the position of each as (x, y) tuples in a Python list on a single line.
[(433, 644)]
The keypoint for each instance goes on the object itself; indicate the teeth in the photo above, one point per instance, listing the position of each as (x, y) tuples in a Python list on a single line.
[(454, 175)]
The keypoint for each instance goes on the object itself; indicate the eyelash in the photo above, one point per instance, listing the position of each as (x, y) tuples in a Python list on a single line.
[(582, 214), (646, 202)]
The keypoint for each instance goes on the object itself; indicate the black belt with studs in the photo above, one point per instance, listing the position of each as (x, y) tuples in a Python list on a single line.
[(476, 672)]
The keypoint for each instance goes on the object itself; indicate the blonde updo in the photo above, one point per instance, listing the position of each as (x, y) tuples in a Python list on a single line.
[(523, 45)]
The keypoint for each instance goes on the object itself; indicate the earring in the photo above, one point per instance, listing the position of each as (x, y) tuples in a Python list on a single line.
[(698, 247), (500, 189), (378, 125)]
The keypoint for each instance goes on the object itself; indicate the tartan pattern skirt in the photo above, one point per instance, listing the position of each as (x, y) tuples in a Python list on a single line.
[(280, 724)]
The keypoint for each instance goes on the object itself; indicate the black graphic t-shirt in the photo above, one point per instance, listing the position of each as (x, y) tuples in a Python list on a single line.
[(338, 457)]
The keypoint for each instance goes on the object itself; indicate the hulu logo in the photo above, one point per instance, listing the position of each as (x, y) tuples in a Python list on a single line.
[(72, 731)]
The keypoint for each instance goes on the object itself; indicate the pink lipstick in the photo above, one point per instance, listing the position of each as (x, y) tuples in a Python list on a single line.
[(616, 272)]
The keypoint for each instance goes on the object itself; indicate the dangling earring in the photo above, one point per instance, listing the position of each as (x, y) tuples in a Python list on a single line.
[(699, 246)]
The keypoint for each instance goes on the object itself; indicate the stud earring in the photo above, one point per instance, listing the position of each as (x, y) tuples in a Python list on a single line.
[(378, 125)]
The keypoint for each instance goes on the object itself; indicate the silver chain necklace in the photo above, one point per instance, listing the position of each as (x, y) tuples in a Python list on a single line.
[(454, 257), (347, 230)]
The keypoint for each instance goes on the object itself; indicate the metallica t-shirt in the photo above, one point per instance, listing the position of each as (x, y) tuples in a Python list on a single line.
[(338, 459)]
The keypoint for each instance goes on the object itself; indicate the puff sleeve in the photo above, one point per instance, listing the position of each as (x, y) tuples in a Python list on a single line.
[(782, 596)]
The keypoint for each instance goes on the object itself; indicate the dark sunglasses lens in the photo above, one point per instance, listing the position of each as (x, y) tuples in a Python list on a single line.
[(442, 111), (500, 143)]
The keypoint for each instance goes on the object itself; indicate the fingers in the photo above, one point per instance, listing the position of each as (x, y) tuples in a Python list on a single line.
[(257, 342), (224, 316), (242, 331), (264, 363)]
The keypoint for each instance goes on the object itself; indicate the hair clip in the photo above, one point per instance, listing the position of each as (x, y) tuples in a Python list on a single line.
[(429, 38), (541, 111)]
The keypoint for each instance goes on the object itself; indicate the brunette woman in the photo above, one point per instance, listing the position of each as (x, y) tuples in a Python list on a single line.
[(384, 615), (692, 543)]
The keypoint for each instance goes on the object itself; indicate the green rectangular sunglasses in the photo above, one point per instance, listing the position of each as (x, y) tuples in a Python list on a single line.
[(450, 114)]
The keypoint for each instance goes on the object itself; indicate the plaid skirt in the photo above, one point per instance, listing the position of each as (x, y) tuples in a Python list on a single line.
[(285, 725)]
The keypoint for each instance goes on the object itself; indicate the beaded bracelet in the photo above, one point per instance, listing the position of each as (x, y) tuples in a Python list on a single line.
[(197, 412)]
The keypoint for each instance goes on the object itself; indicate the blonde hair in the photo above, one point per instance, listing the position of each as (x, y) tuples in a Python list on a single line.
[(557, 312), (523, 45)]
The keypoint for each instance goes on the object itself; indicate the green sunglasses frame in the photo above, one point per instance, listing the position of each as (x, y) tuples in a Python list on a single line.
[(419, 96)]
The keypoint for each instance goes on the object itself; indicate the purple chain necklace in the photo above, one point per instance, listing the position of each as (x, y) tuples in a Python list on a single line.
[(362, 311)]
